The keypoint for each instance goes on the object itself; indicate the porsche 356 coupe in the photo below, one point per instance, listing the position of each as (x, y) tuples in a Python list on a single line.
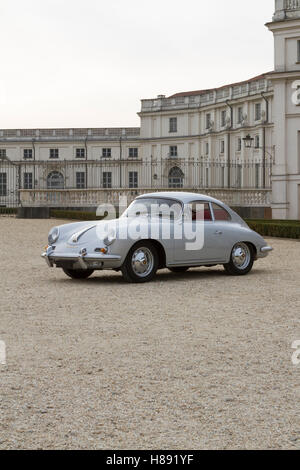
[(155, 232)]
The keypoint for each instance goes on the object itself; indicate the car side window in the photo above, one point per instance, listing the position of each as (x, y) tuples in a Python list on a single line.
[(220, 213), (197, 211)]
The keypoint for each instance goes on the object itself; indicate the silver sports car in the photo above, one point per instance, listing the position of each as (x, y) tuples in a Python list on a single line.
[(173, 230)]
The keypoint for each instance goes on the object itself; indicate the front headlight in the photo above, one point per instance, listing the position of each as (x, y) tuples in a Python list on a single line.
[(110, 238), (53, 235)]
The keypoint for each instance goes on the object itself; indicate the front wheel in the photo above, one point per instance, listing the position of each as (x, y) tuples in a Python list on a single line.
[(141, 263), (78, 273), (241, 260)]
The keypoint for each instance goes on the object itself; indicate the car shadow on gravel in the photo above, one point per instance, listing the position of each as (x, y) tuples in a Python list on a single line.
[(198, 273), (161, 276)]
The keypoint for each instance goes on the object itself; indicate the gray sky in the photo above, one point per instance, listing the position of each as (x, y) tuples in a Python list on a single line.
[(75, 63)]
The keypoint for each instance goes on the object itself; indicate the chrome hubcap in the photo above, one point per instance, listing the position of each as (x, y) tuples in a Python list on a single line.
[(241, 255), (142, 262)]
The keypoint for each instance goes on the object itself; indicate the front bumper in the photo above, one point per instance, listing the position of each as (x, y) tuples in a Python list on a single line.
[(80, 261)]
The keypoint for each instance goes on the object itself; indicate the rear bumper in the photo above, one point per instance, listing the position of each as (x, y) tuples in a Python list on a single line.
[(266, 249), (88, 261)]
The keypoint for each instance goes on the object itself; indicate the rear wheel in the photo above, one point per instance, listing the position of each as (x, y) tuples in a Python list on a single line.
[(241, 260), (179, 269), (141, 263), (78, 273)]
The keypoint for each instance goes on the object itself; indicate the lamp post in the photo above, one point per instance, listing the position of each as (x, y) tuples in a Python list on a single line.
[(248, 141)]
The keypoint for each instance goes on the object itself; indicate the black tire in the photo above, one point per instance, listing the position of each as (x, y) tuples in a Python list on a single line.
[(179, 269), (78, 273), (236, 266), (145, 254)]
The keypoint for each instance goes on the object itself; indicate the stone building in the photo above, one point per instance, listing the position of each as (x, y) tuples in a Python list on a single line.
[(239, 142)]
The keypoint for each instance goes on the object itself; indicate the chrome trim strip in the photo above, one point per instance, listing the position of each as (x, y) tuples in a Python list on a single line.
[(93, 257), (75, 237), (50, 258)]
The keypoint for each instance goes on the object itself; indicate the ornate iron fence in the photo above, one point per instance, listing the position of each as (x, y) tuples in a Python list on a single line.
[(46, 182)]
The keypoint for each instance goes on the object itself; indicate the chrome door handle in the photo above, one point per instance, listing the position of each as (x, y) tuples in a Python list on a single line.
[(218, 232)]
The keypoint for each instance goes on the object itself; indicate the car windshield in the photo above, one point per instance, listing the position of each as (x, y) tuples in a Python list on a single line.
[(154, 207)]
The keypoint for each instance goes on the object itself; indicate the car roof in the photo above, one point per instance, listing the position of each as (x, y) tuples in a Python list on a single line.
[(182, 196)]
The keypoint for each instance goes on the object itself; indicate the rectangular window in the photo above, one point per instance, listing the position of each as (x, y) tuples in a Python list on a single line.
[(239, 144), (223, 118), (106, 153), (3, 184), (207, 148), (133, 179), (173, 124), (257, 142), (80, 153), (107, 179), (27, 180), (208, 120), (53, 153), (2, 154), (222, 146), (258, 112), (240, 115), (133, 153), (27, 154), (173, 151), (80, 180)]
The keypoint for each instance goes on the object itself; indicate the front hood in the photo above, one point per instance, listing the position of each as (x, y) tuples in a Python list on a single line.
[(123, 228), (94, 231), (66, 230), (77, 234)]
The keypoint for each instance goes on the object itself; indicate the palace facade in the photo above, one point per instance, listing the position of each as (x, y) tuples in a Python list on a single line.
[(239, 142)]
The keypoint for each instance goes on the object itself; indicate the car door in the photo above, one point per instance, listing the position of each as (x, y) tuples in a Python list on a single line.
[(214, 248), (223, 232)]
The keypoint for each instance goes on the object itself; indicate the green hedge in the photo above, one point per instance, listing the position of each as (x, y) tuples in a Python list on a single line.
[(8, 210), (276, 228), (73, 215), (275, 221)]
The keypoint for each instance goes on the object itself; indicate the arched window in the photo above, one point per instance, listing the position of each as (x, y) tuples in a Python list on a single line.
[(55, 180), (176, 177)]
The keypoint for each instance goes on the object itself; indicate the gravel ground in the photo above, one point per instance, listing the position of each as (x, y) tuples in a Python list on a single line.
[(191, 361)]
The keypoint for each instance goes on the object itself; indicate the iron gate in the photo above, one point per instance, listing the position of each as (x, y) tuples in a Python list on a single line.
[(9, 186)]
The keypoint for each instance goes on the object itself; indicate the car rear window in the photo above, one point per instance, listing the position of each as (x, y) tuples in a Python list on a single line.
[(220, 213)]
